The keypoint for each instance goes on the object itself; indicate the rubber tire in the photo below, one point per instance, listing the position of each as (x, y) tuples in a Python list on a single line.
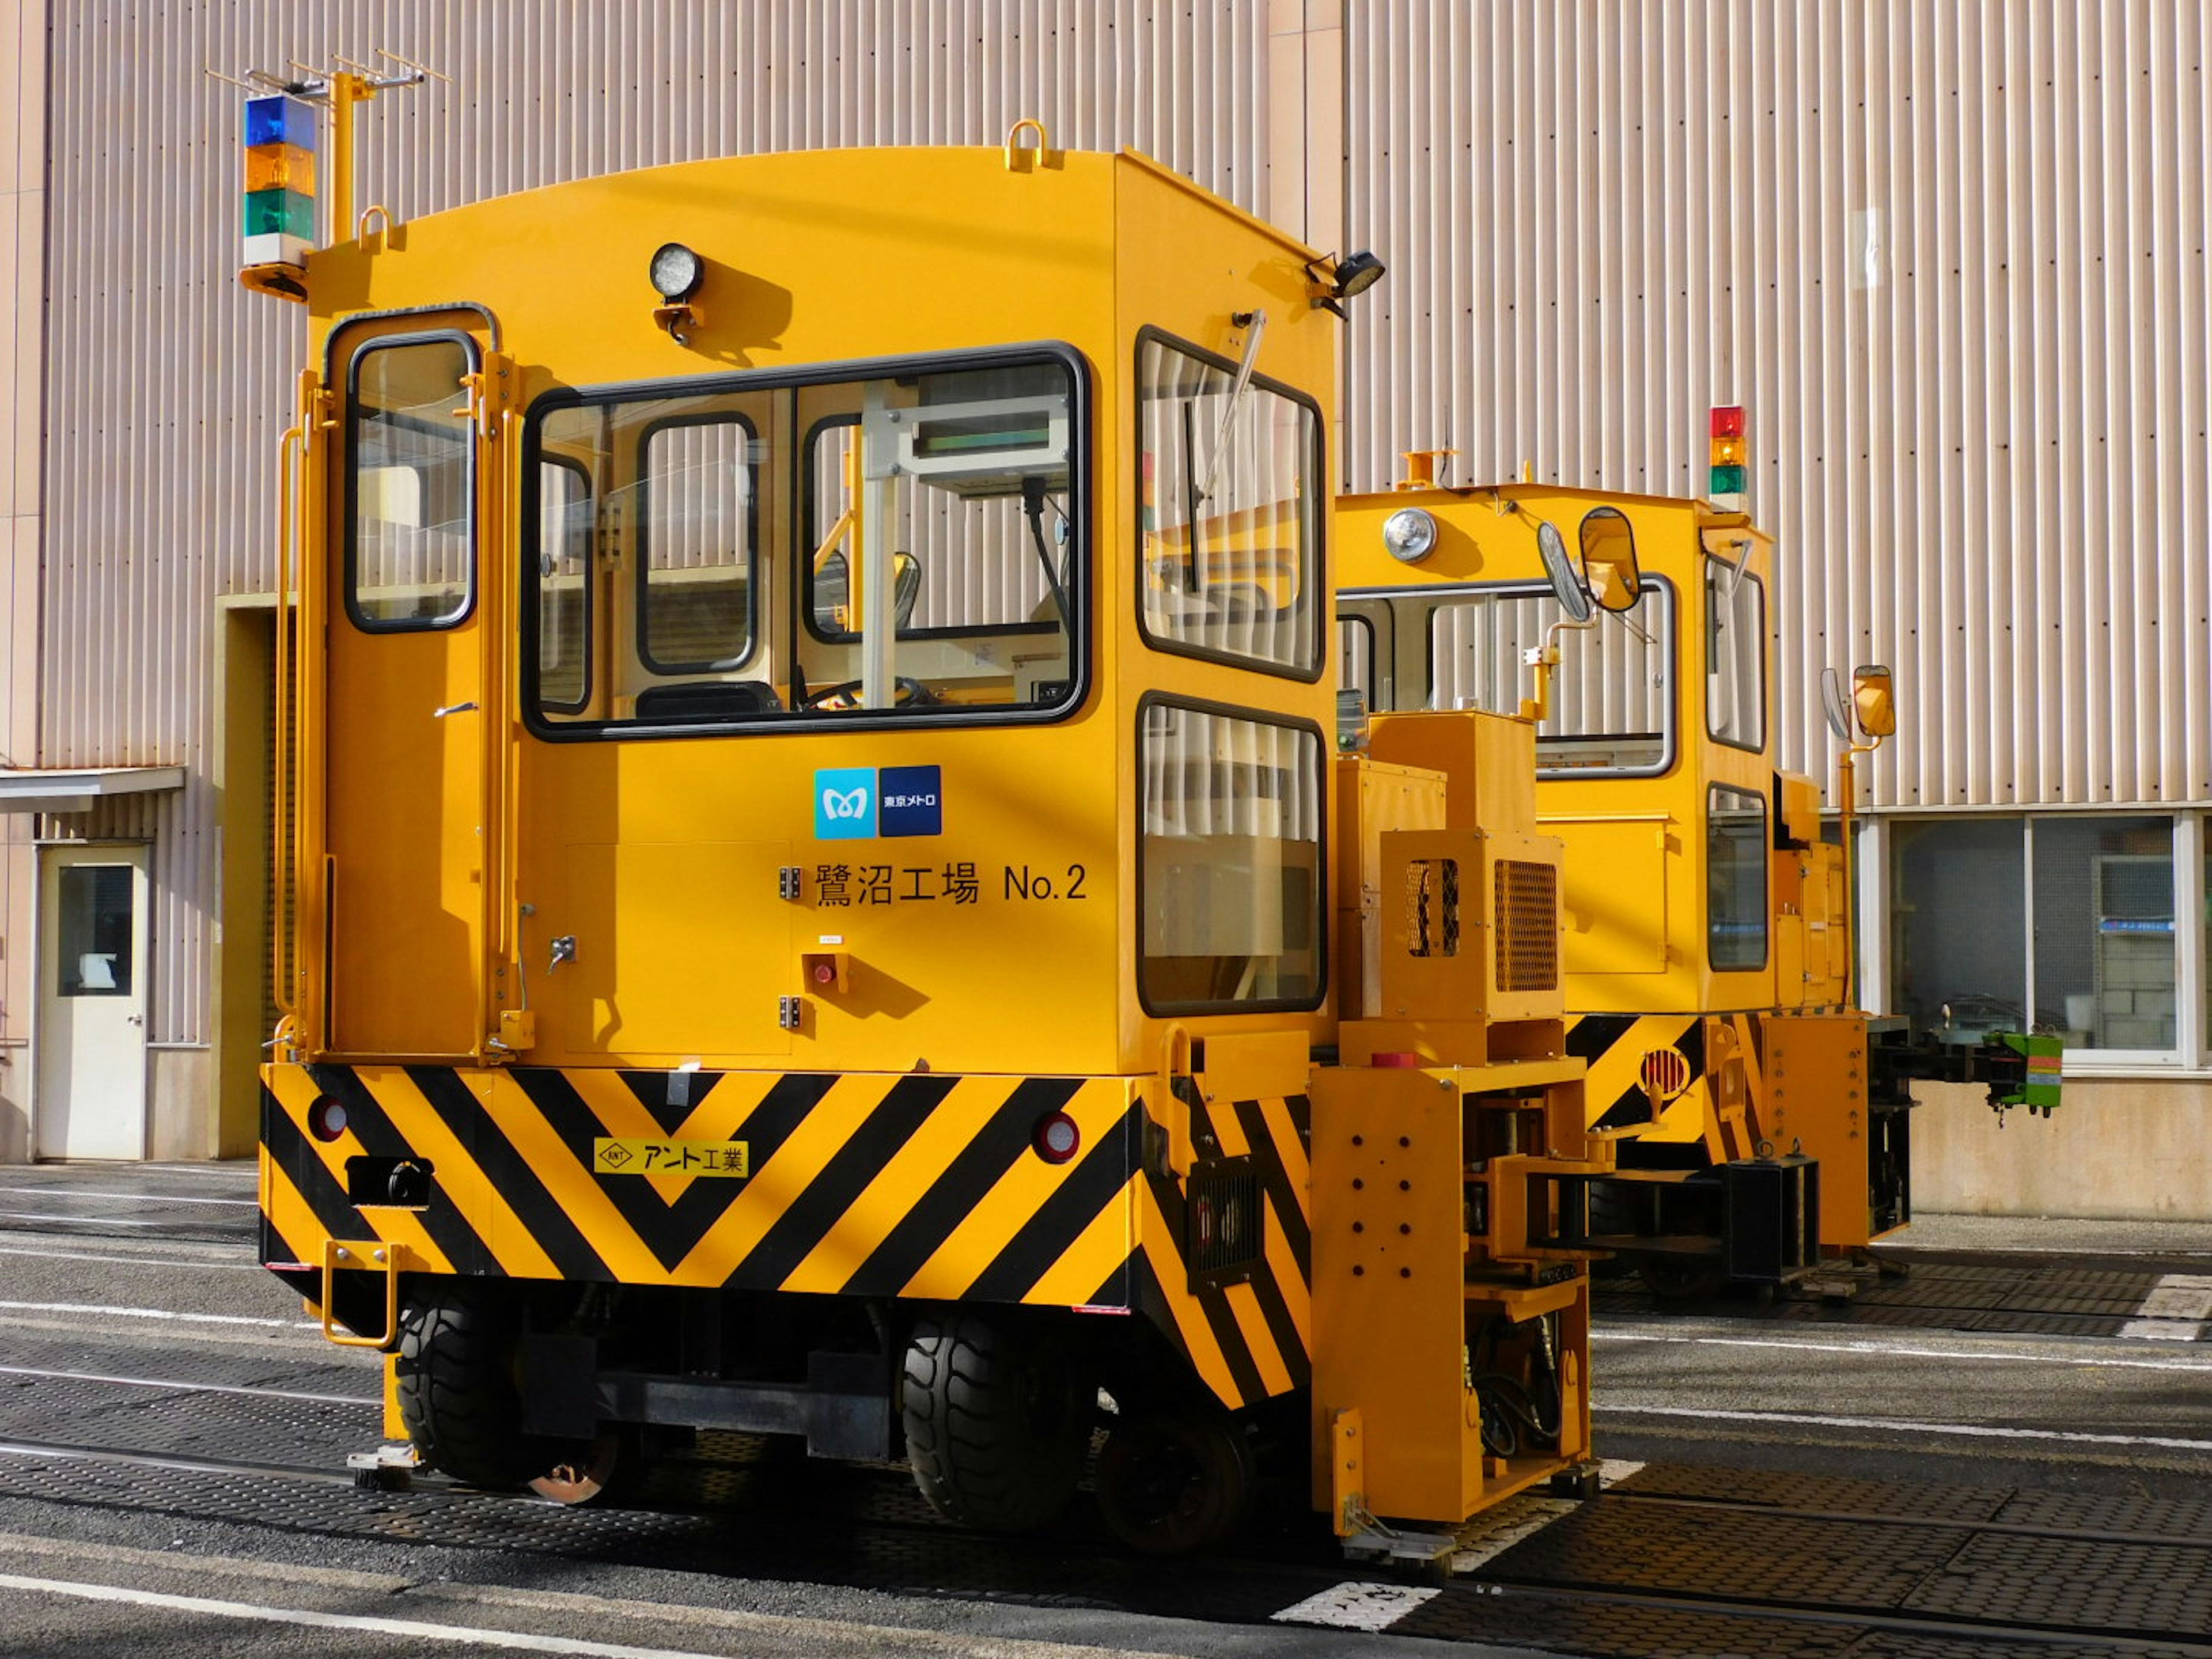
[(998, 1422), (1176, 1484), (456, 1382)]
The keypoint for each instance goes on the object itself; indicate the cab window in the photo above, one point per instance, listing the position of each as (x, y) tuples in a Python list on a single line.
[(904, 543), (1735, 878), (1229, 876), (411, 485), (1230, 492), (1736, 655)]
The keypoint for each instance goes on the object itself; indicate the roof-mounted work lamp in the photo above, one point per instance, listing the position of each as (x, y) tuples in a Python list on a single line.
[(675, 273), (1335, 279)]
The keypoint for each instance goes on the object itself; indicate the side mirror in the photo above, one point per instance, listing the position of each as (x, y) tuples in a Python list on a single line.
[(1831, 704), (1873, 698), (1609, 559), (1565, 585)]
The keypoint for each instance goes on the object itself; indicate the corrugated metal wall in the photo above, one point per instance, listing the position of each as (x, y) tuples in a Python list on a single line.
[(1951, 255)]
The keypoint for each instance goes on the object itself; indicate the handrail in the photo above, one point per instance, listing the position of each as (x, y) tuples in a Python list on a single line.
[(290, 450)]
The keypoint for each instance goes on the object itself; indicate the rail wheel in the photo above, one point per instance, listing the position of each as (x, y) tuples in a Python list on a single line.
[(462, 1409), (1173, 1483), (998, 1422)]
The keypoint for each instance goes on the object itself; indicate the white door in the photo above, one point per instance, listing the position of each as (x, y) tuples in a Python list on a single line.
[(91, 1034)]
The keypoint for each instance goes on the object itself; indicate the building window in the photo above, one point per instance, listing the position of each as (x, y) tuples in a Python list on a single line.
[(1735, 879), (2058, 923), (1230, 861)]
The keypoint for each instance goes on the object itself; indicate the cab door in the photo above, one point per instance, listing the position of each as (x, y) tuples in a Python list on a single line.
[(409, 705)]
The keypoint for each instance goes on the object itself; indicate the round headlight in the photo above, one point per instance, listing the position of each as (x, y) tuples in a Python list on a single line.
[(675, 271), (1410, 534)]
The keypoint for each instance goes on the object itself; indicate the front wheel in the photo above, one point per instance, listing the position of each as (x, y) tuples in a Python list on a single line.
[(462, 1409), (998, 1422)]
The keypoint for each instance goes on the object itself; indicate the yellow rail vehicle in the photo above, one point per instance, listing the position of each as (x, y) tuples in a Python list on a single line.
[(1762, 1118), (818, 852)]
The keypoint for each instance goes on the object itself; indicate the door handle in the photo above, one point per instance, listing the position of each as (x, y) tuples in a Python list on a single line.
[(136, 1019), (564, 950), (453, 709)]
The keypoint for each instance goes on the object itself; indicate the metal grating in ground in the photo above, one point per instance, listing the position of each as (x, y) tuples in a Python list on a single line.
[(2074, 1583), (1825, 1494)]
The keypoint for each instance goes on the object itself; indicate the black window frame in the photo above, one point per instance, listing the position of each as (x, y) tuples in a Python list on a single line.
[(1324, 756), (1321, 611), (351, 514), (1763, 842), (1081, 579), (1761, 691), (644, 561), (591, 582)]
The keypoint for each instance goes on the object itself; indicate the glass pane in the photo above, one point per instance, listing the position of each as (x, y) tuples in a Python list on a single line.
[(1230, 487), (564, 594), (1610, 709), (1956, 935), (1355, 656), (694, 508), (1736, 656), (412, 558), (1735, 878), (961, 480), (1230, 861), (2104, 969), (94, 930)]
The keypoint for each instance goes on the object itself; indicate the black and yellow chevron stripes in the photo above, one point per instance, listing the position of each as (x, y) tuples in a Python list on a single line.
[(920, 1186), (1613, 1046)]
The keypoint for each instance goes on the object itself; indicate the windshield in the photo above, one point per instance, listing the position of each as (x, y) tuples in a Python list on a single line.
[(1611, 704), (901, 543)]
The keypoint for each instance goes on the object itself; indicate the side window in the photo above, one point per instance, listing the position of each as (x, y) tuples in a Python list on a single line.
[(564, 588), (1230, 495), (1735, 878), (695, 531), (1736, 656), (1228, 861), (411, 486)]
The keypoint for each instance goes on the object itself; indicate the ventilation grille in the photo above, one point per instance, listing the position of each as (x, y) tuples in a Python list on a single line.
[(1223, 1231), (1527, 911)]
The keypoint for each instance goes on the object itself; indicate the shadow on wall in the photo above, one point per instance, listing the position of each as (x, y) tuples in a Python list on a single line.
[(15, 1105)]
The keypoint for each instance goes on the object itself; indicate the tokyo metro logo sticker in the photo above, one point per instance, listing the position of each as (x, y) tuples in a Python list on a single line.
[(845, 803), (859, 803)]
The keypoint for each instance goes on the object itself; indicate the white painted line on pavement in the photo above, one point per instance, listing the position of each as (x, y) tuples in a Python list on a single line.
[(157, 1313), (1356, 1606), (1903, 1351), (80, 1220), (190, 1387), (750, 1632), (1899, 1425), (135, 1198), (413, 1629), (135, 1260)]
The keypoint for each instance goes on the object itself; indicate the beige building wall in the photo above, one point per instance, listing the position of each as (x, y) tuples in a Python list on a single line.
[(22, 262), (1952, 257)]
